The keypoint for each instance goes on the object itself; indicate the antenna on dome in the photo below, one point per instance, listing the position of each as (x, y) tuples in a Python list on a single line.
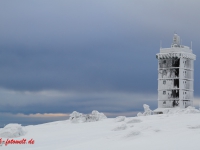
[(191, 45), (176, 41)]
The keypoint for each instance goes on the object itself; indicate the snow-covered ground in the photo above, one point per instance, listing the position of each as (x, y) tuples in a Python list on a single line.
[(173, 131)]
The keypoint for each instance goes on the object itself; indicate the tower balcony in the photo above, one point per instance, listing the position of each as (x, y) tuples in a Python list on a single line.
[(168, 73)]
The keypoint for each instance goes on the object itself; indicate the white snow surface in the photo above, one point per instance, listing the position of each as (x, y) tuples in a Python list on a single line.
[(120, 127), (12, 131), (172, 131)]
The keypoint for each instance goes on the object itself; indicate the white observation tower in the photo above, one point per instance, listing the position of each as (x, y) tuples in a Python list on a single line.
[(175, 76)]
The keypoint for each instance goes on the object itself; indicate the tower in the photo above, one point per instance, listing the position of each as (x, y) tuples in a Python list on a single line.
[(175, 76)]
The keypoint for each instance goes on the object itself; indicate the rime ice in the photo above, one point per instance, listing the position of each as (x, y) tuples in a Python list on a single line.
[(77, 117), (147, 111)]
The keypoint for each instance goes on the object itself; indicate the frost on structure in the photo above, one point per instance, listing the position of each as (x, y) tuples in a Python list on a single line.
[(147, 111), (12, 131), (175, 76), (76, 117)]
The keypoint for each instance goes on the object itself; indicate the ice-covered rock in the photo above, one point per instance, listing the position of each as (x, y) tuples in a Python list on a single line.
[(76, 117), (97, 115), (147, 111), (140, 114), (12, 131), (120, 118)]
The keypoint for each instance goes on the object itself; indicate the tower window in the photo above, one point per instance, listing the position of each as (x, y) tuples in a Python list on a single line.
[(164, 72), (164, 92), (164, 82), (164, 102), (164, 61)]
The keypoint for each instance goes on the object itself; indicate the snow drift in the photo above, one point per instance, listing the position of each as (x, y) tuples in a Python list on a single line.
[(12, 131), (120, 127), (188, 110), (176, 110), (134, 121), (76, 117), (120, 118)]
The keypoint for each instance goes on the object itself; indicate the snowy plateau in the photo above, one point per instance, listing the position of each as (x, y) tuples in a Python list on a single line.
[(178, 129)]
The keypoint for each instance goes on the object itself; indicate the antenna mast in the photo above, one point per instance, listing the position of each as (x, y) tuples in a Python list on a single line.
[(160, 44)]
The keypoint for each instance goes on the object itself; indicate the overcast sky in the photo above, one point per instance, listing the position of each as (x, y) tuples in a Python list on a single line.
[(84, 55)]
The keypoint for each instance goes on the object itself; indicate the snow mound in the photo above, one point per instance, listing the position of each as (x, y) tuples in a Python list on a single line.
[(133, 133), (76, 117), (120, 118), (134, 121), (120, 127), (147, 111), (12, 131), (188, 110), (156, 130), (194, 127)]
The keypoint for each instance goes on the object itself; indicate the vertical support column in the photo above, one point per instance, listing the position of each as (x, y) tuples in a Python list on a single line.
[(192, 67), (181, 87)]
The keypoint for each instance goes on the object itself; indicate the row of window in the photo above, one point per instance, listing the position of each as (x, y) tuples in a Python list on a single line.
[(164, 93), (164, 82), (164, 61)]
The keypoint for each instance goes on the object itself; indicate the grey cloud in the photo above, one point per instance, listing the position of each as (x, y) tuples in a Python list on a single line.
[(61, 102), (87, 47)]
